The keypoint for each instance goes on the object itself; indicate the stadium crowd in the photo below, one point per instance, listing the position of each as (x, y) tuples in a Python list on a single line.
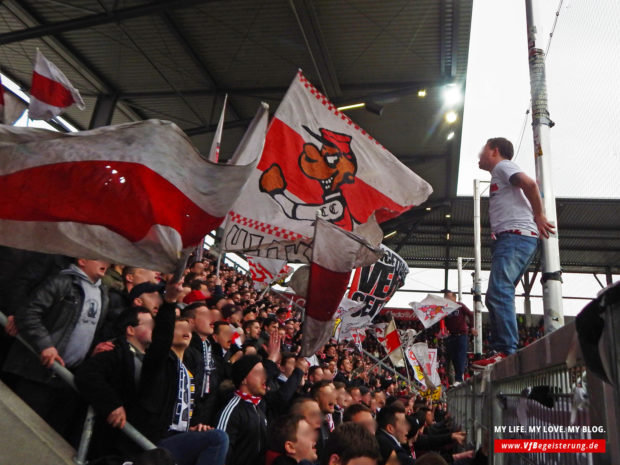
[(207, 369)]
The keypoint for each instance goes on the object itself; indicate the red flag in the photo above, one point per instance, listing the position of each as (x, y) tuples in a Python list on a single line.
[(51, 92), (335, 254), (138, 194)]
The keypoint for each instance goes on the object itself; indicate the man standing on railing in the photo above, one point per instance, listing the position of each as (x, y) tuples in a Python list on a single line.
[(62, 321), (517, 220)]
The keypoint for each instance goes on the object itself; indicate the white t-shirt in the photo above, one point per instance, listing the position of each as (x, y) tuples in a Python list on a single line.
[(509, 209)]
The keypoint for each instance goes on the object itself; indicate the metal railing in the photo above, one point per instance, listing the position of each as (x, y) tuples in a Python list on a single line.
[(130, 431), (498, 397)]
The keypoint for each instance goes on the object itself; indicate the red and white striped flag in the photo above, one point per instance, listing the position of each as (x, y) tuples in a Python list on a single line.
[(214, 153), (138, 194), (335, 254), (51, 92), (317, 163), (387, 335)]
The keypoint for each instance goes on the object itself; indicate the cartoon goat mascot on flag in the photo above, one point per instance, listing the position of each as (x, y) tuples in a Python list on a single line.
[(332, 165)]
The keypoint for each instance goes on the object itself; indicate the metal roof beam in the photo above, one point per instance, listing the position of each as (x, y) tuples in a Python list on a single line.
[(83, 22), (198, 62), (390, 87), (308, 21)]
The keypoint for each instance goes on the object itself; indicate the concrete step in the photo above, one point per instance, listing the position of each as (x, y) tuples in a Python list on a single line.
[(25, 439)]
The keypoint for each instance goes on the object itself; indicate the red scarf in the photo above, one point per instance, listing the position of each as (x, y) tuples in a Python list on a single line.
[(248, 397)]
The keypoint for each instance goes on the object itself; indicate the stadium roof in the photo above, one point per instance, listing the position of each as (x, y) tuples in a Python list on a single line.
[(176, 59)]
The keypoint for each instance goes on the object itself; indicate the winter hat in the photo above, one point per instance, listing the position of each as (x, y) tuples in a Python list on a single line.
[(145, 288), (242, 367)]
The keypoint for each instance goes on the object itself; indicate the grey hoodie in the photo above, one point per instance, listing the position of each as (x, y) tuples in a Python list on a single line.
[(82, 336)]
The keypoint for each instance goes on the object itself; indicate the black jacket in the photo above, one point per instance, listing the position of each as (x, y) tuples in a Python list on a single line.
[(159, 381), (246, 426), (48, 320), (387, 445), (108, 381)]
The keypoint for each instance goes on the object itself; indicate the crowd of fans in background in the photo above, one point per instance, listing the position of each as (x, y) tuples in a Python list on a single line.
[(209, 370)]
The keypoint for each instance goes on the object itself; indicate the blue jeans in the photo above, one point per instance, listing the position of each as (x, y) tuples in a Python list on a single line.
[(511, 255), (197, 447), (457, 352)]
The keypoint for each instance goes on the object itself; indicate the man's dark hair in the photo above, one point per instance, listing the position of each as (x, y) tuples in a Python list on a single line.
[(247, 324), (249, 310), (190, 310), (283, 429), (503, 146), (316, 387), (127, 270), (353, 410), (349, 441), (268, 321), (286, 356), (196, 284), (341, 363), (339, 384), (387, 415), (281, 310), (313, 369), (129, 317), (350, 389), (217, 325)]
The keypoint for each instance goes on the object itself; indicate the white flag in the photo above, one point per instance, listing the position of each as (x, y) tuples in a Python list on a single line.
[(433, 309), (214, 153)]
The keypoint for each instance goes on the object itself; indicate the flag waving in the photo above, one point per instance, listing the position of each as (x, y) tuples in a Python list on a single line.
[(51, 92), (317, 163), (335, 254), (137, 194), (433, 309), (214, 153)]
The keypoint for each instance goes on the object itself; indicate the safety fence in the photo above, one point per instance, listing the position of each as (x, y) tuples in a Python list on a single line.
[(543, 405)]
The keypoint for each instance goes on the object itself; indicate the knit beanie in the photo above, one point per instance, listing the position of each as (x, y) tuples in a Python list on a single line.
[(242, 367)]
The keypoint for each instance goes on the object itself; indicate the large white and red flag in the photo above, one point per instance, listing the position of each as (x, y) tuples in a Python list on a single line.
[(50, 92), (317, 163), (138, 194), (433, 309), (335, 254)]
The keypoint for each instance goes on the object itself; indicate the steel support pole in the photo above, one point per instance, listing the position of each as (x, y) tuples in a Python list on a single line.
[(477, 269), (459, 267), (541, 125)]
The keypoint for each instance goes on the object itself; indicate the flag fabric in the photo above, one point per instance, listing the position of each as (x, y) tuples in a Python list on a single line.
[(265, 271), (348, 324), (1, 102), (433, 309), (335, 254), (317, 163), (11, 107), (387, 335), (138, 194), (424, 363), (214, 153), (374, 285), (50, 92)]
